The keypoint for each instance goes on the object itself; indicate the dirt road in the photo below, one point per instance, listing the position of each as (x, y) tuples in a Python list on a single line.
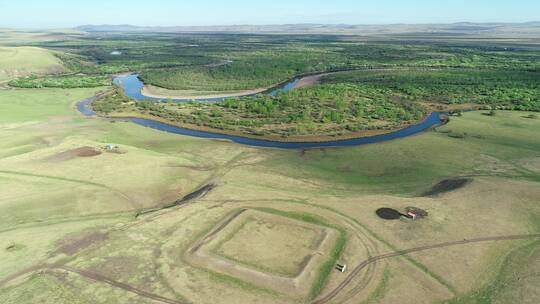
[(103, 279), (328, 297)]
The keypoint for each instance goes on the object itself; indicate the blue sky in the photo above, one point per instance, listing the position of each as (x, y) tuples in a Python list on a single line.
[(69, 13)]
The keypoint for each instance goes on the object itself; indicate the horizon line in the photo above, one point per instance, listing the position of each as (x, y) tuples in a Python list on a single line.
[(265, 25)]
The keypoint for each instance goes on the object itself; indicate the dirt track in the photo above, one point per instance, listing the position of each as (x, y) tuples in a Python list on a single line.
[(328, 297), (103, 279), (217, 230)]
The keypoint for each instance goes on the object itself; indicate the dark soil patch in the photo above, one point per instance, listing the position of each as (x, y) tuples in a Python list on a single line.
[(389, 214), (74, 153), (197, 194), (448, 185), (72, 245), (200, 193)]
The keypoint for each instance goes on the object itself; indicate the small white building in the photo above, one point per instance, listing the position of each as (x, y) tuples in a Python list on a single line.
[(412, 215)]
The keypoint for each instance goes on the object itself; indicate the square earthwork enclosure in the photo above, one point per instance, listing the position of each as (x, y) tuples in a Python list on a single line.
[(265, 249)]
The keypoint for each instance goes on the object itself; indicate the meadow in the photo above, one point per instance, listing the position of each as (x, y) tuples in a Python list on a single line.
[(24, 61), (93, 228), (122, 226)]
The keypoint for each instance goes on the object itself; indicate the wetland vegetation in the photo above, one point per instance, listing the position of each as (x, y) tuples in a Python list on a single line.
[(383, 84)]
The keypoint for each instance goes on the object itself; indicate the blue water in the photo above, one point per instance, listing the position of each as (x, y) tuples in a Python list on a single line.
[(432, 120), (132, 88), (84, 108)]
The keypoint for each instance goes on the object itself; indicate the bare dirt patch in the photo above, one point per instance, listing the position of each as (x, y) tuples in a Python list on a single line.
[(447, 185), (73, 244), (74, 153), (117, 266)]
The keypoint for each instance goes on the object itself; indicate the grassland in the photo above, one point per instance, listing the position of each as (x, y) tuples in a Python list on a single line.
[(291, 255), (71, 229), (23, 106), (330, 183), (284, 253), (23, 61)]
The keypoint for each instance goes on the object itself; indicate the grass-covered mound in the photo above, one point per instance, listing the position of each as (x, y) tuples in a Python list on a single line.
[(21, 61)]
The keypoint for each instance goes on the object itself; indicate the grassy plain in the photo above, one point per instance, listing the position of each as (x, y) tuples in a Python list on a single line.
[(23, 61), (291, 252), (71, 229), (45, 202)]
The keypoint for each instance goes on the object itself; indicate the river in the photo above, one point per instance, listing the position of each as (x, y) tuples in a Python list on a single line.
[(132, 87)]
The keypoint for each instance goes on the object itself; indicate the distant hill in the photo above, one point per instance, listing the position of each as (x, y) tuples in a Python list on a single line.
[(532, 28)]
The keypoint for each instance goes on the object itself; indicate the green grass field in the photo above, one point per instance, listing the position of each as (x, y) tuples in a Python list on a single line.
[(23, 61), (409, 166), (19, 106)]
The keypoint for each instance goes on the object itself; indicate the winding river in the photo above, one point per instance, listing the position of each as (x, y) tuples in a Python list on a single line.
[(132, 87)]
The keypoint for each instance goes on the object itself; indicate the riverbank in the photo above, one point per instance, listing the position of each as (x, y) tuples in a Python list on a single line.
[(326, 137), (157, 92), (135, 88), (309, 141)]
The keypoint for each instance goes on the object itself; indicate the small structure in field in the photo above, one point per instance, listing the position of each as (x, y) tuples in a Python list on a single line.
[(114, 149), (393, 214), (415, 213), (116, 53), (341, 268)]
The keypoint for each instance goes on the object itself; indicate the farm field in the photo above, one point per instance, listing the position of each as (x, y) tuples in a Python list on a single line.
[(95, 210)]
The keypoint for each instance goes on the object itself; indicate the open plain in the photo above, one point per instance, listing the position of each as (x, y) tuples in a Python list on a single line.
[(96, 210)]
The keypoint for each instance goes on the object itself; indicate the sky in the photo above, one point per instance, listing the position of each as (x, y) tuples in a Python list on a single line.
[(70, 13)]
